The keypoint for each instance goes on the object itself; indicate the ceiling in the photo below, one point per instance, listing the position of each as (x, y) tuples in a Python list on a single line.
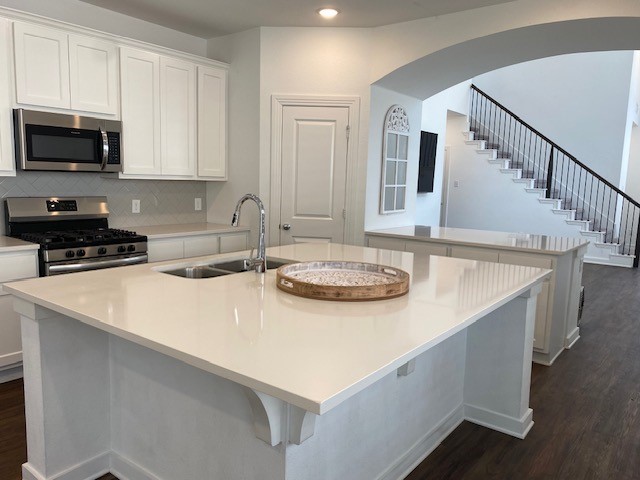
[(212, 18)]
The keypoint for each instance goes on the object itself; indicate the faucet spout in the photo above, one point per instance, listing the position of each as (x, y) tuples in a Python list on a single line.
[(260, 261)]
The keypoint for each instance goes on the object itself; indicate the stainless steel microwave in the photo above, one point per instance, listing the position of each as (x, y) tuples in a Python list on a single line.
[(56, 141)]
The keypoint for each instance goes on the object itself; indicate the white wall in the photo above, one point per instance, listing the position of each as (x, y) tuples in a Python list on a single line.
[(435, 111), (381, 100), (242, 51), (579, 101), (90, 16)]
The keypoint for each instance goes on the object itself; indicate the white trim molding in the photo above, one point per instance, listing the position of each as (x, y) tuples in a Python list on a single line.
[(352, 200)]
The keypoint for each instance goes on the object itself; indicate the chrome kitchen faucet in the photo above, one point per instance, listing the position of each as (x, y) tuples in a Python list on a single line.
[(259, 262)]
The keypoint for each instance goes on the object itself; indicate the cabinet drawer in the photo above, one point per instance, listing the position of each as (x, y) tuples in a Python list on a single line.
[(201, 245), (471, 253), (427, 248), (15, 266), (526, 260), (165, 249), (386, 243), (233, 243)]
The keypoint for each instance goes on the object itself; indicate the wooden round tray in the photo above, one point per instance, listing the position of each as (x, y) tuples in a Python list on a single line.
[(348, 281)]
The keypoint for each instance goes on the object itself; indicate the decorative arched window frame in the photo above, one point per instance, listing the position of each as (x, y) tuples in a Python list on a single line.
[(395, 160)]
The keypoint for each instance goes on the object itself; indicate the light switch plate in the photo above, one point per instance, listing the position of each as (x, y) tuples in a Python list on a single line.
[(198, 204), (135, 206)]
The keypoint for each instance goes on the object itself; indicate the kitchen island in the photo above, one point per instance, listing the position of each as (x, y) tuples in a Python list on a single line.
[(559, 301), (153, 376)]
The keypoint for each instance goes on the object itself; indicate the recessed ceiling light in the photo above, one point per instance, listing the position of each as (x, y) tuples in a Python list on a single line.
[(328, 12)]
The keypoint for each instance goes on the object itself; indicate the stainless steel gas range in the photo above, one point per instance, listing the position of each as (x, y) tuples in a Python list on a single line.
[(73, 233)]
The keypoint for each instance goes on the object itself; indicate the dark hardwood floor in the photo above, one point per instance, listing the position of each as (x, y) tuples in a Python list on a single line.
[(586, 406)]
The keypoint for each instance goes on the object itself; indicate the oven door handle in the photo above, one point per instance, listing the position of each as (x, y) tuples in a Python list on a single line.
[(105, 149), (95, 265)]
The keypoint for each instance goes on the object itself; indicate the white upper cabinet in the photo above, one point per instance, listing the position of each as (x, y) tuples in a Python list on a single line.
[(62, 70), (42, 66), (7, 162), (212, 124), (93, 67), (140, 93), (178, 116)]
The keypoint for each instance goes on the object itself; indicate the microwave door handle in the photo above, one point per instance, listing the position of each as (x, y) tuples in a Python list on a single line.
[(105, 148)]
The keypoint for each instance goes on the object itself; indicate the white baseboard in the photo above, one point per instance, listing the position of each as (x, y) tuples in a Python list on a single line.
[(423, 447), (572, 338), (603, 261), (89, 470), (11, 373), (516, 427), (545, 358), (125, 469)]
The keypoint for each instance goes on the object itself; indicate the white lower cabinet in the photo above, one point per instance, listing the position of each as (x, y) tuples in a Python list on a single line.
[(13, 266), (175, 248), (557, 303)]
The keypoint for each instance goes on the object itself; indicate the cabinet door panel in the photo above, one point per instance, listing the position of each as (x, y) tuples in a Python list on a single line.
[(42, 66), (17, 266), (233, 243), (427, 248), (212, 125), (540, 330), (93, 68), (201, 245), (140, 83), (178, 113), (482, 254), (165, 249), (10, 344), (386, 243)]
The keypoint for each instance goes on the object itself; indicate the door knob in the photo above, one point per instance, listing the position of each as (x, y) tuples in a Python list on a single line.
[(286, 226)]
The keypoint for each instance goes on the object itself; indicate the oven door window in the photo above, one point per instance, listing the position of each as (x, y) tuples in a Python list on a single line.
[(57, 144)]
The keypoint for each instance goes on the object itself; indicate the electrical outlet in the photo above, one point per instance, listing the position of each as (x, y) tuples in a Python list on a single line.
[(135, 206), (456, 184), (198, 204)]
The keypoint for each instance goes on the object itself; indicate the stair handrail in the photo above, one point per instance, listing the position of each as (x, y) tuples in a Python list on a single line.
[(558, 147)]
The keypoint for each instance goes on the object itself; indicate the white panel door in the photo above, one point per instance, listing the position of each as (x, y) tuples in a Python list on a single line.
[(314, 167), (212, 123), (42, 65), (93, 72), (140, 84), (178, 114)]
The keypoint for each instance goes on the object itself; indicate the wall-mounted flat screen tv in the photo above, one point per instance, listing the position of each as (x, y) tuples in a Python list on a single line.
[(427, 163)]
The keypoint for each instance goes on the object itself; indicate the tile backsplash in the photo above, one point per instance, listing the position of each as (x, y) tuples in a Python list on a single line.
[(161, 201)]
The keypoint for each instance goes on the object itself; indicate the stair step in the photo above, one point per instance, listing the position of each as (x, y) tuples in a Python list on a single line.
[(504, 163), (527, 181), (569, 213), (540, 191), (592, 234), (488, 151), (614, 247), (622, 260), (584, 224), (478, 143), (551, 201), (516, 172)]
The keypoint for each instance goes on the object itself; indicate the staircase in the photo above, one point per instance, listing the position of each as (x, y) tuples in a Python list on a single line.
[(596, 209)]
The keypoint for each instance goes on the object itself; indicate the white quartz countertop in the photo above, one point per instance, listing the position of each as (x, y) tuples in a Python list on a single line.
[(485, 238), (311, 353), (182, 230), (10, 244)]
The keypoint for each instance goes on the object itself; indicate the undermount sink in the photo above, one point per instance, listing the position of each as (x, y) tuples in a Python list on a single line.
[(221, 268), (241, 264), (200, 271)]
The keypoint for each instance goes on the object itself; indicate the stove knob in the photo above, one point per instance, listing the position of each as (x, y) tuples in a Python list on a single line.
[(70, 254), (80, 253), (122, 248), (131, 248), (102, 251)]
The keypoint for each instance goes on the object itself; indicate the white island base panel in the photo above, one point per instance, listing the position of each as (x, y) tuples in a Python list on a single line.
[(97, 403)]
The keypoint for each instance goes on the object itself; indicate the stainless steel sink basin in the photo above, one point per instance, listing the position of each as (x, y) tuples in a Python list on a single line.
[(240, 265), (200, 271), (219, 269)]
